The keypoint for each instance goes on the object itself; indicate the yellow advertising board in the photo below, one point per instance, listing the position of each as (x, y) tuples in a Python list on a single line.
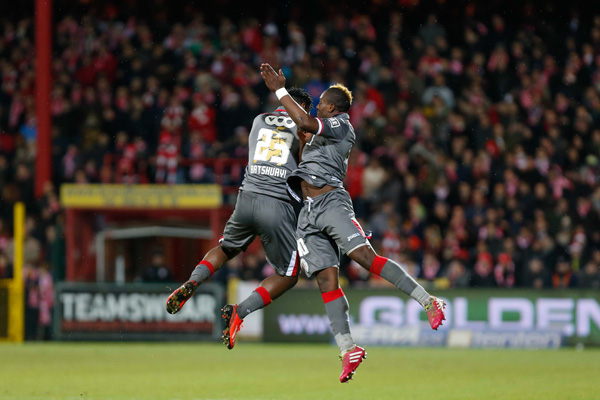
[(141, 196)]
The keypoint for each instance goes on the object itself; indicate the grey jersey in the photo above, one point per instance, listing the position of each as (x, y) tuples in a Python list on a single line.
[(325, 155), (273, 154)]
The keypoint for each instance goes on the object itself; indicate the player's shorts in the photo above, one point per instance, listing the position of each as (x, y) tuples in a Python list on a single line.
[(273, 220), (327, 226)]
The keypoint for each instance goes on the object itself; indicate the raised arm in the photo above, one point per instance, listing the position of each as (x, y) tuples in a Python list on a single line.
[(276, 83)]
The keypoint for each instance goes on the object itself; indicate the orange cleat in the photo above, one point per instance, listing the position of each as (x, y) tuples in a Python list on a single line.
[(178, 298), (435, 312), (233, 324)]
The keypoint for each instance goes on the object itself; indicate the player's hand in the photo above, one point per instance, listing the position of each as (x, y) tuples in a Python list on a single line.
[(272, 79)]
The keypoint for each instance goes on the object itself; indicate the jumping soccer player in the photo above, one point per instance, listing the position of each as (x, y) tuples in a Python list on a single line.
[(327, 222), (263, 209)]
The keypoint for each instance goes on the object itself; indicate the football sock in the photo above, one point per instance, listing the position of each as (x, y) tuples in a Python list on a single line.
[(337, 309), (258, 299), (202, 272), (392, 272)]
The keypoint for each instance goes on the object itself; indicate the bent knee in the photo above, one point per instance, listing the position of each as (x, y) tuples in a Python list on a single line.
[(292, 280), (328, 279), (230, 252), (364, 255)]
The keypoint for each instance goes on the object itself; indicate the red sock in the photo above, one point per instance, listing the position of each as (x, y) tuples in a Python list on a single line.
[(377, 265), (208, 265), (333, 295), (264, 294)]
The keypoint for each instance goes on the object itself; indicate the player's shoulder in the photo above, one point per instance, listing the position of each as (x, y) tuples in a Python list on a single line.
[(277, 118), (341, 117), (262, 118), (277, 113), (337, 121)]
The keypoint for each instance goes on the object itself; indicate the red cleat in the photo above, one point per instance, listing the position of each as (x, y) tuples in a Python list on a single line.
[(233, 324), (350, 361), (435, 312), (178, 298)]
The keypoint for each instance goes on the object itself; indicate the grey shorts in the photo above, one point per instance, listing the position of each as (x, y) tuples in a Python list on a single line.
[(273, 220), (327, 227)]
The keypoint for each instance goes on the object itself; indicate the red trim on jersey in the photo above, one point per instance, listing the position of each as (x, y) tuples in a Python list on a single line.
[(333, 295), (208, 265), (273, 112), (377, 265), (320, 121), (264, 294), (296, 264), (360, 229)]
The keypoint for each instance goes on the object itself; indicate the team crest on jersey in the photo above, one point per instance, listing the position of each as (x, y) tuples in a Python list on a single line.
[(334, 123)]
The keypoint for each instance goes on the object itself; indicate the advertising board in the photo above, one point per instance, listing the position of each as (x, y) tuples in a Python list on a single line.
[(475, 318), (89, 311)]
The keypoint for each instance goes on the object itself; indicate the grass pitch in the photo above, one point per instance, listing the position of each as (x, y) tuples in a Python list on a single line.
[(94, 371)]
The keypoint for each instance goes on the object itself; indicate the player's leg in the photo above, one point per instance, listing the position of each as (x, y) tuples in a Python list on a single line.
[(233, 314), (342, 227), (238, 235), (270, 289), (337, 308), (212, 261), (319, 255), (394, 273), (390, 271), (275, 223)]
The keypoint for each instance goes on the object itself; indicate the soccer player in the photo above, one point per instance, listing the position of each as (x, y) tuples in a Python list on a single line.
[(262, 209), (327, 222)]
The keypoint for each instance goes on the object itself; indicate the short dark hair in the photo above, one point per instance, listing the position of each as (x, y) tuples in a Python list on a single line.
[(340, 97), (301, 96)]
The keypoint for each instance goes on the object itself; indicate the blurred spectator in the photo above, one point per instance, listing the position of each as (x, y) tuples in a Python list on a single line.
[(504, 271), (469, 132), (440, 89), (33, 299), (536, 276), (483, 276), (6, 268), (457, 275), (46, 293), (157, 271), (589, 276), (563, 275)]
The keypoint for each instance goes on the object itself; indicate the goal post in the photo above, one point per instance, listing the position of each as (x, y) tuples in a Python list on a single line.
[(12, 301)]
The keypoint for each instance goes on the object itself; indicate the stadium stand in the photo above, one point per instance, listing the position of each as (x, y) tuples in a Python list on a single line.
[(478, 134)]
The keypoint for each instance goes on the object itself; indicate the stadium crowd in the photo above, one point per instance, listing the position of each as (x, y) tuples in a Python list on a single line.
[(478, 143)]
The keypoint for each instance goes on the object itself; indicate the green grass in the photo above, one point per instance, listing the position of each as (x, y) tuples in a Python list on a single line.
[(96, 371)]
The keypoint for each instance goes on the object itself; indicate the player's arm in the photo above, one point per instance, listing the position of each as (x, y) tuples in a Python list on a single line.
[(275, 82), (304, 137)]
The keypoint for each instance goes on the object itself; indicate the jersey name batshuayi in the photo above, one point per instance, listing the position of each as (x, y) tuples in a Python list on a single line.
[(273, 154), (325, 155)]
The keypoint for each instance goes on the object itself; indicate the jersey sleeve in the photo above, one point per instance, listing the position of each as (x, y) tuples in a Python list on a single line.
[(258, 120), (332, 128)]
